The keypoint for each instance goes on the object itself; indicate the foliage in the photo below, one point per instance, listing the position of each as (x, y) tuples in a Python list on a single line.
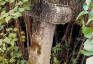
[(87, 28), (56, 49), (7, 15), (9, 51)]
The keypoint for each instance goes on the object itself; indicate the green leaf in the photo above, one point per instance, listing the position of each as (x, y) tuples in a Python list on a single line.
[(15, 29), (87, 31), (6, 0), (25, 0), (16, 48), (12, 54), (19, 3), (87, 53), (18, 55), (2, 51), (12, 60), (16, 8), (91, 6), (1, 27), (15, 39), (7, 40), (88, 2), (85, 6), (21, 9), (27, 6), (8, 18), (9, 29), (55, 60), (57, 48), (12, 35), (4, 15), (88, 45), (3, 12), (18, 61), (4, 48), (91, 15), (2, 2), (4, 8), (22, 32), (9, 48), (12, 43), (23, 61), (74, 60), (2, 59), (23, 37), (2, 21), (1, 42), (11, 1), (16, 14), (81, 14)]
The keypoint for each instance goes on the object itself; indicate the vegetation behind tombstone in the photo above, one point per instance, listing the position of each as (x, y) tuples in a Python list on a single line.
[(10, 52), (84, 19), (87, 27), (69, 39)]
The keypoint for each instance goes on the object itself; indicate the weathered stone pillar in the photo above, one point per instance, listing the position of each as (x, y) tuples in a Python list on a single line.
[(42, 38)]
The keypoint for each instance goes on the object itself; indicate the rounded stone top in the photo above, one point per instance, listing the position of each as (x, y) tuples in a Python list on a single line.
[(56, 13)]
